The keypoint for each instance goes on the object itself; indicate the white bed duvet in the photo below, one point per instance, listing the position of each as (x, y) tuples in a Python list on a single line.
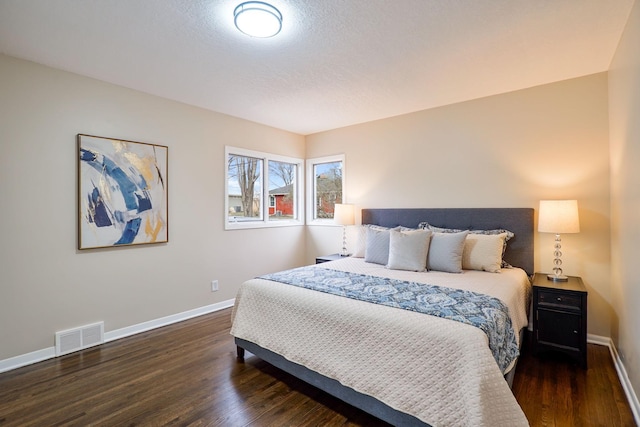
[(438, 370)]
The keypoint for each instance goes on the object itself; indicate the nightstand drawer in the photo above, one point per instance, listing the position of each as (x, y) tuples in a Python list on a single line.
[(555, 299)]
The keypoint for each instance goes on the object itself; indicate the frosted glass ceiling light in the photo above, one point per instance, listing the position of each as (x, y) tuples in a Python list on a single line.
[(257, 19)]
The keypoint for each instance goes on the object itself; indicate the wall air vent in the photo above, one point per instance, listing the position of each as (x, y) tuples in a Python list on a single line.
[(79, 338)]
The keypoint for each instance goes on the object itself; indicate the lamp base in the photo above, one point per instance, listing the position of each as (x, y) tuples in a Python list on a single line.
[(555, 278)]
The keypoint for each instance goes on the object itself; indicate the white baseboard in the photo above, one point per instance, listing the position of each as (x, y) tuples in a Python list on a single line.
[(27, 359), (599, 340), (632, 397), (164, 321), (50, 353)]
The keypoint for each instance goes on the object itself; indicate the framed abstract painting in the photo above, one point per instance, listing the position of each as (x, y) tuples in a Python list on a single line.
[(122, 193)]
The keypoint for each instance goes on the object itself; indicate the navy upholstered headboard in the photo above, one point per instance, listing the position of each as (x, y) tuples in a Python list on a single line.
[(519, 251)]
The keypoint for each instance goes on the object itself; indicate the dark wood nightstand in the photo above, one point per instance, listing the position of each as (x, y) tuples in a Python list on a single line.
[(327, 258), (560, 317)]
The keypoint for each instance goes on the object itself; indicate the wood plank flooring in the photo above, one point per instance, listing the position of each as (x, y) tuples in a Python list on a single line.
[(187, 374), (554, 391)]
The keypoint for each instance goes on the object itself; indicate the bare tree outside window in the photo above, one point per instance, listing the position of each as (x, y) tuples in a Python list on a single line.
[(286, 172), (245, 183), (328, 188)]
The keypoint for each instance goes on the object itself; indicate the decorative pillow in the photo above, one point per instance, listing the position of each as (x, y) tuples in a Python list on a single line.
[(509, 235), (377, 246), (445, 252), (408, 250), (483, 252), (361, 242), (426, 226)]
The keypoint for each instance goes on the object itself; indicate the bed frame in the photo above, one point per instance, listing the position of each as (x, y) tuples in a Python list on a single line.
[(519, 253)]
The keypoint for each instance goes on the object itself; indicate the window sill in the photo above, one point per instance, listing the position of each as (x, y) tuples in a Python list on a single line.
[(245, 225)]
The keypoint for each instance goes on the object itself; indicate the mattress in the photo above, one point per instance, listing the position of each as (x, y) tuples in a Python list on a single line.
[(440, 371)]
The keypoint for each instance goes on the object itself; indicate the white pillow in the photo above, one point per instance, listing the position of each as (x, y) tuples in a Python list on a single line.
[(377, 249), (408, 250), (361, 242), (483, 252), (510, 235), (445, 252)]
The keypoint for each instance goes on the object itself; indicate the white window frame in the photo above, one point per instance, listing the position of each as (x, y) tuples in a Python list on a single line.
[(230, 224), (311, 193)]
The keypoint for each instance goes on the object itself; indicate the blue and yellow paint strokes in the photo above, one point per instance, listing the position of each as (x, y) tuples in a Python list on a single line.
[(123, 192)]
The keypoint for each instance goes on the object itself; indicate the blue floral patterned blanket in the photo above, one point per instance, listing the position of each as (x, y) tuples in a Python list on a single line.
[(482, 311)]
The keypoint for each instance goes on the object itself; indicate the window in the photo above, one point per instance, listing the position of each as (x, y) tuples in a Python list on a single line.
[(248, 174), (282, 185), (325, 181), (244, 185)]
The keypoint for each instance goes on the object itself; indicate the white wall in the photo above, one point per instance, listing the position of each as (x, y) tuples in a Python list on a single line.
[(624, 106), (46, 285), (510, 150)]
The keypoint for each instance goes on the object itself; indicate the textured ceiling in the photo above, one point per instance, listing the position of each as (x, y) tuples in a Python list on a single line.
[(335, 63)]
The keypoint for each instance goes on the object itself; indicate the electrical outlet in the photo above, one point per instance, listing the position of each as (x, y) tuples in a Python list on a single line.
[(214, 285)]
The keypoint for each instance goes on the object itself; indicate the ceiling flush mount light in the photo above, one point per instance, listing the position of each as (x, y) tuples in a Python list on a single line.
[(257, 19)]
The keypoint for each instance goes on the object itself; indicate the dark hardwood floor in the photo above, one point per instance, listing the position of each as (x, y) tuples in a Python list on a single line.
[(554, 391), (187, 374)]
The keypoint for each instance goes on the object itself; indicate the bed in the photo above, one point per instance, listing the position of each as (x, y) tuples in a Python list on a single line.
[(400, 365)]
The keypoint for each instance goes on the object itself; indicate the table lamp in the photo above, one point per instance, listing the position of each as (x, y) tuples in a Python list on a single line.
[(343, 215), (558, 217)]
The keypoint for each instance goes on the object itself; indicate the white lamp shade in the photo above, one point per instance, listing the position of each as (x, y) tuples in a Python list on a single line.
[(343, 214), (558, 216)]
